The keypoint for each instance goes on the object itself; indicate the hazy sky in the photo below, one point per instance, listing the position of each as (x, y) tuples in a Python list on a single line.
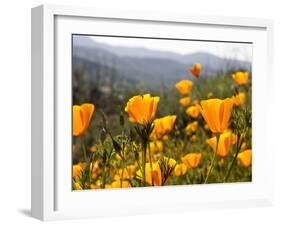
[(230, 50)]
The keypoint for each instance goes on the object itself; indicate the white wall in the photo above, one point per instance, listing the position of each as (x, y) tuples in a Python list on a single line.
[(15, 110)]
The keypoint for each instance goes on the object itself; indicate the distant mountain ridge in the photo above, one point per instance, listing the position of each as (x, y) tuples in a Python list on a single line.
[(145, 64)]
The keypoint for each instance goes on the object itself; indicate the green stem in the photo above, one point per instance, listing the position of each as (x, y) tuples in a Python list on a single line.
[(104, 176), (151, 169), (138, 163), (213, 160), (187, 178), (122, 173), (130, 178), (143, 163), (90, 172), (184, 143), (122, 159), (84, 149), (238, 146), (122, 165), (126, 168)]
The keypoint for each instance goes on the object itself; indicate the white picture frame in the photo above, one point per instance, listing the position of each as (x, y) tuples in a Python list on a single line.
[(51, 196)]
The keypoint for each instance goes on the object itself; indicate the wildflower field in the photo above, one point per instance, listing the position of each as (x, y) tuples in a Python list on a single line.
[(197, 131)]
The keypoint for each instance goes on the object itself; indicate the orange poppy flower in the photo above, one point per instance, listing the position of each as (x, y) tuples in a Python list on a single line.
[(216, 113), (81, 118), (239, 99), (184, 87), (184, 101), (163, 126), (225, 142), (193, 111), (180, 169), (241, 78), (155, 172), (142, 109), (191, 160), (245, 158), (195, 70)]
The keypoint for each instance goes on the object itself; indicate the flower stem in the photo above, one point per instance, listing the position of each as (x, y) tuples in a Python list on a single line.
[(122, 159), (213, 159), (143, 164), (122, 173), (238, 146), (151, 168), (84, 149), (103, 176), (184, 143), (144, 134)]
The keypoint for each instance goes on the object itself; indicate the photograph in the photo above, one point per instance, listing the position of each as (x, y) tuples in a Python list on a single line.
[(150, 111)]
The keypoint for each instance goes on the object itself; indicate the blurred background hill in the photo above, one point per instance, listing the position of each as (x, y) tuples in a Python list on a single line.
[(142, 66)]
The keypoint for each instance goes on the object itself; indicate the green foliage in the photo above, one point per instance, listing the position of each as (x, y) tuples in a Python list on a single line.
[(114, 136)]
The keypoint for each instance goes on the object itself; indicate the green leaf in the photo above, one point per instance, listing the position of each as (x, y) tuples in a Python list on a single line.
[(104, 120), (122, 120), (103, 135), (116, 146)]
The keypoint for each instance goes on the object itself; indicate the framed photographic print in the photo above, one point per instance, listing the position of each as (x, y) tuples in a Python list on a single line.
[(137, 112)]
